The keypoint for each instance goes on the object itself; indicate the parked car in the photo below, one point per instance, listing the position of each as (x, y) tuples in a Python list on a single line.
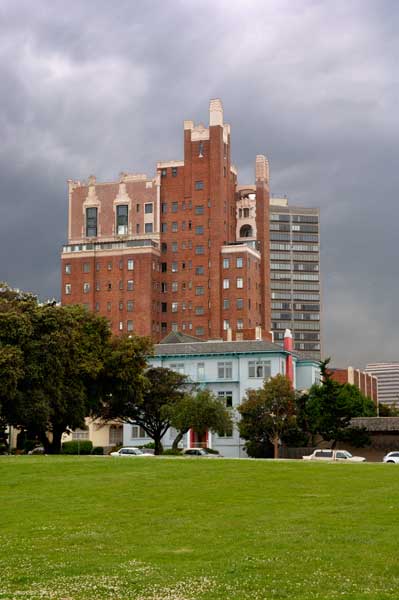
[(201, 452), (37, 450), (391, 457), (334, 455), (130, 451)]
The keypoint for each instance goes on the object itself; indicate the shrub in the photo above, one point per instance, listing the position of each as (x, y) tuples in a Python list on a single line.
[(98, 450), (149, 445), (171, 452), (77, 447), (115, 448)]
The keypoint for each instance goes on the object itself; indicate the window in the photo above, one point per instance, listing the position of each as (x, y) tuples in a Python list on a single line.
[(130, 285), (199, 290), (199, 185), (226, 304), (164, 208), (148, 208), (174, 267), (226, 324), (109, 266), (164, 172), (164, 307), (199, 310), (199, 230), (148, 227), (199, 270), (137, 228), (86, 288), (68, 288), (175, 286), (178, 367), (120, 325), (68, 268), (227, 398), (174, 246), (80, 434), (259, 369), (175, 226), (199, 209), (226, 284), (86, 267), (130, 264), (129, 325), (225, 370), (174, 171), (129, 305), (175, 207), (226, 263), (109, 306), (91, 222), (199, 250), (164, 227), (138, 432), (164, 267), (109, 286), (239, 262), (200, 371), (239, 303), (121, 305), (174, 307), (199, 331), (240, 324), (97, 306), (121, 219), (240, 282)]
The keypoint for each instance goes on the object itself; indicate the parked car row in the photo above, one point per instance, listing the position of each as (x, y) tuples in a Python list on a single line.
[(130, 451), (327, 454)]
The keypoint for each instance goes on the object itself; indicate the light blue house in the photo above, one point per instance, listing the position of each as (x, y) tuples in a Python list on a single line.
[(228, 369)]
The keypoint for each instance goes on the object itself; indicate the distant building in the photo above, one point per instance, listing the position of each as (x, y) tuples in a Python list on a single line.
[(366, 382), (387, 375), (228, 369)]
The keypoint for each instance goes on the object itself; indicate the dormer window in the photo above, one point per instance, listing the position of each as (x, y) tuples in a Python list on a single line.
[(91, 222)]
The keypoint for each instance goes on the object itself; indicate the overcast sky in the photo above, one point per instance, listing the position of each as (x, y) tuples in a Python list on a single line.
[(99, 87)]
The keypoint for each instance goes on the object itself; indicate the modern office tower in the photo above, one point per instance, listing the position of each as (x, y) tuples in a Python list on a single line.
[(387, 381), (160, 254), (294, 267)]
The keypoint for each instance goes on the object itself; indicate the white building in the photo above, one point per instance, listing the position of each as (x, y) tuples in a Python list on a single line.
[(228, 369), (387, 381)]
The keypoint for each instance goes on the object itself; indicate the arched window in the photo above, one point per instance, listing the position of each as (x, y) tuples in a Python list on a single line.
[(246, 231)]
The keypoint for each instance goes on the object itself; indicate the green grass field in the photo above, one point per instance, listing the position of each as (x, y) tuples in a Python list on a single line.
[(178, 529)]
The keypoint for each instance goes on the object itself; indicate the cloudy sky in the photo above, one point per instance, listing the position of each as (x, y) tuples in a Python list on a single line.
[(93, 86)]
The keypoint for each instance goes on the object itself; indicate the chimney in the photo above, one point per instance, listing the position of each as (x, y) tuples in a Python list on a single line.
[(288, 347), (215, 112)]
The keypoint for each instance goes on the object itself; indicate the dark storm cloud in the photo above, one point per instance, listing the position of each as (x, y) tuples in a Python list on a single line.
[(94, 87)]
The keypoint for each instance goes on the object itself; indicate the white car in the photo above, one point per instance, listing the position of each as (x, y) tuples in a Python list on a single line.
[(335, 455), (130, 451), (391, 457)]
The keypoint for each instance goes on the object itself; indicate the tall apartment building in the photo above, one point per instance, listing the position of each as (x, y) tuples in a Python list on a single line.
[(294, 267), (160, 254), (189, 250), (387, 375)]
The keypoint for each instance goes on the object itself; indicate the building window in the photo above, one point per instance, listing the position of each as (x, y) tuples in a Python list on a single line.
[(199, 310), (164, 227), (240, 303), (199, 209), (121, 219), (226, 263), (174, 267), (164, 208), (120, 325), (199, 230), (86, 288), (226, 324), (80, 434), (130, 325), (121, 305), (130, 264), (174, 307), (199, 270), (201, 371), (68, 268), (174, 246), (226, 284), (164, 267), (148, 227), (225, 370), (68, 288), (97, 306), (164, 172), (240, 324), (199, 185), (91, 222), (240, 282), (178, 367), (109, 306), (137, 228), (239, 262), (86, 267), (226, 304), (175, 226), (174, 171), (175, 207), (130, 285), (227, 398), (259, 369), (199, 331), (109, 286), (199, 250), (175, 286), (109, 266), (199, 290), (138, 432), (129, 305), (148, 208)]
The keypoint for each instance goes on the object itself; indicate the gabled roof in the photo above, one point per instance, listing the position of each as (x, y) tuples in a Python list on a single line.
[(175, 337), (194, 346)]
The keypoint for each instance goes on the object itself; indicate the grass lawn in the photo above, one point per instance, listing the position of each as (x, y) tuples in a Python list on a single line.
[(75, 528)]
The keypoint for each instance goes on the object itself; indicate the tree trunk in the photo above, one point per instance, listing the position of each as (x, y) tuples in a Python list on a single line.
[(275, 446), (158, 446), (55, 446), (177, 440)]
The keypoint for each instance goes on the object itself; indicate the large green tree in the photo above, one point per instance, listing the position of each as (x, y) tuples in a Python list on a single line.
[(201, 411), (266, 414), (147, 402), (328, 408)]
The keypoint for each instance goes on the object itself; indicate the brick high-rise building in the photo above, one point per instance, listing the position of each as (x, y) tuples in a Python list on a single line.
[(165, 254)]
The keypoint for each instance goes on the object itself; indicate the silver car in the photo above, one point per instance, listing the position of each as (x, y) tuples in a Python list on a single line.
[(130, 451), (391, 457)]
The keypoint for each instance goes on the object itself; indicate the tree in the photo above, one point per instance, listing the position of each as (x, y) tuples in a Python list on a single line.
[(146, 402), (330, 406), (200, 411), (267, 413)]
